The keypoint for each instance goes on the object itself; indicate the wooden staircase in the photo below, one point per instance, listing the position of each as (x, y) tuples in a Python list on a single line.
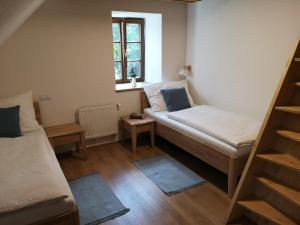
[(269, 189)]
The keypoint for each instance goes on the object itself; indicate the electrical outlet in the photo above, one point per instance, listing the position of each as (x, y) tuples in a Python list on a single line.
[(43, 98)]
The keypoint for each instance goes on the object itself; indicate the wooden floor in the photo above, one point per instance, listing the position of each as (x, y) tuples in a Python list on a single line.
[(205, 204)]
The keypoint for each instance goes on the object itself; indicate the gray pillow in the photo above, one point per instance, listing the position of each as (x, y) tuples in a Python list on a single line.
[(175, 99), (10, 122)]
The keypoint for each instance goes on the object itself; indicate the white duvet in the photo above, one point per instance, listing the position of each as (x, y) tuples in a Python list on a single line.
[(231, 128), (27, 175)]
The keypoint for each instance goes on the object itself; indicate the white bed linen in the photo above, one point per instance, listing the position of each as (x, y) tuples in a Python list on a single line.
[(196, 134), (232, 128), (38, 212)]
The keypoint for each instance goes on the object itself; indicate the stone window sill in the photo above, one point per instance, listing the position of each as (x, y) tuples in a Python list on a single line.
[(128, 87)]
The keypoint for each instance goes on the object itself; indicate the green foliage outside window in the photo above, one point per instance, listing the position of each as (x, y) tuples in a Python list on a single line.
[(127, 53)]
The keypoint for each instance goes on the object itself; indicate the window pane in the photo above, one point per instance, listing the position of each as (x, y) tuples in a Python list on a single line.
[(118, 71), (133, 51), (116, 32), (134, 68), (117, 52), (133, 32)]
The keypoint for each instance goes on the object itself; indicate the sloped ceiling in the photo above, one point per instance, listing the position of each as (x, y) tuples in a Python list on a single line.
[(13, 13)]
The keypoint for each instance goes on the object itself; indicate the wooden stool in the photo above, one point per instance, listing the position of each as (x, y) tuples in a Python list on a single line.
[(137, 126)]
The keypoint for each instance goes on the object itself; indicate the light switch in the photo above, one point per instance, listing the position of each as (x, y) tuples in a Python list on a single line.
[(43, 98)]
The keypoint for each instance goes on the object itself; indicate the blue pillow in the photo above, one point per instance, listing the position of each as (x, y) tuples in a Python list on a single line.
[(10, 122), (175, 99)]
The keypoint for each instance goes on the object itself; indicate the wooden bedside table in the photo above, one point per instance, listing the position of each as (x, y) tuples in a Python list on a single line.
[(137, 126), (67, 134)]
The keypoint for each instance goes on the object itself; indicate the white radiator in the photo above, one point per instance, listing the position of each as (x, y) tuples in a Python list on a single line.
[(99, 121)]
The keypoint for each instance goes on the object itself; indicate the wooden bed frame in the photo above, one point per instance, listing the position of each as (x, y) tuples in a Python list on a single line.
[(232, 166), (69, 218)]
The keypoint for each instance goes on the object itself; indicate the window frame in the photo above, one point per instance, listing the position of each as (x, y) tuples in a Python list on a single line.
[(123, 42)]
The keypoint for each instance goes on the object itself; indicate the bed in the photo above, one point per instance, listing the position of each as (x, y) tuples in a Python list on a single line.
[(209, 149), (31, 159)]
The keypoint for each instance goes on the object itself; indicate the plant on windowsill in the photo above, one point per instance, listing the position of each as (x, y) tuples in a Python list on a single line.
[(132, 75)]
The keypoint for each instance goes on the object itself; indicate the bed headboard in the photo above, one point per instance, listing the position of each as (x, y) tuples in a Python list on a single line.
[(144, 101), (36, 106)]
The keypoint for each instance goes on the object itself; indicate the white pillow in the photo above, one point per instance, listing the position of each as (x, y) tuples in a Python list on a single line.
[(156, 99), (27, 114)]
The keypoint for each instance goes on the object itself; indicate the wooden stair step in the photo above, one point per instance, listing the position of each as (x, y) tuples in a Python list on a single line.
[(289, 109), (281, 159), (292, 135), (265, 210), (289, 193)]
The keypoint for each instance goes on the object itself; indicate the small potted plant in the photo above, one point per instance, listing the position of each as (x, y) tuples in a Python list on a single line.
[(132, 74)]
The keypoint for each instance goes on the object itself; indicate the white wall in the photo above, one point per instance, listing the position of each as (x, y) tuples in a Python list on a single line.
[(153, 42), (64, 50), (239, 50), (153, 48)]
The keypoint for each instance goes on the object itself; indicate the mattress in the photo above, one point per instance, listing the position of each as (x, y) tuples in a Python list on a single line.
[(32, 214), (234, 129), (196, 134)]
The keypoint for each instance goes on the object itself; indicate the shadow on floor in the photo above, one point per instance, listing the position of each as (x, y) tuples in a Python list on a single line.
[(209, 173)]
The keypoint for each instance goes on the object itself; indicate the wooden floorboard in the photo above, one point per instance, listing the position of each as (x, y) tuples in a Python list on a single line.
[(205, 204)]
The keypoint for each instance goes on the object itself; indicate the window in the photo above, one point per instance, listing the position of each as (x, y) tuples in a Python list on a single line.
[(129, 49)]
